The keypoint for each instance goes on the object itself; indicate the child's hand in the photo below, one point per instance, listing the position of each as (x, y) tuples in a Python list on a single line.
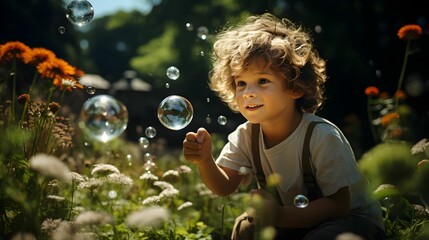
[(197, 147)]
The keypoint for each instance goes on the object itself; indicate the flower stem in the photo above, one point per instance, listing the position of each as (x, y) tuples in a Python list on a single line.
[(13, 90), (401, 77), (29, 94)]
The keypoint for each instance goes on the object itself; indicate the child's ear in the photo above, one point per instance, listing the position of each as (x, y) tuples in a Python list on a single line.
[(295, 94)]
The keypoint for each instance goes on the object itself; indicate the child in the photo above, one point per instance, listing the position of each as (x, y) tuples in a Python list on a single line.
[(268, 70)]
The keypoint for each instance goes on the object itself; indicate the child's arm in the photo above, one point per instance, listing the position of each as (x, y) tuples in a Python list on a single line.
[(197, 148), (335, 206)]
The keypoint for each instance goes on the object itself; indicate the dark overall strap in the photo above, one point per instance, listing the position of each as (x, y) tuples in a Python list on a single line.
[(313, 190), (260, 176)]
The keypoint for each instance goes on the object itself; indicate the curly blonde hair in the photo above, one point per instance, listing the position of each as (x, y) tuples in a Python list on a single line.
[(283, 46)]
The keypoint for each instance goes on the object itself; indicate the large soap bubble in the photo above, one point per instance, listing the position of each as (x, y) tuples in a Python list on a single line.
[(175, 112), (79, 12), (103, 118)]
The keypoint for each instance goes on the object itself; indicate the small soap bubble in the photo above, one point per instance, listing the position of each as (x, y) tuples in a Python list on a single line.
[(79, 12), (167, 85), (90, 89), (208, 100), (61, 29), (189, 27), (149, 165), (202, 32), (144, 142), (175, 112), (150, 132), (388, 202), (148, 157), (378, 73), (208, 119), (103, 118), (222, 120), (173, 73), (300, 201), (202, 53), (112, 194)]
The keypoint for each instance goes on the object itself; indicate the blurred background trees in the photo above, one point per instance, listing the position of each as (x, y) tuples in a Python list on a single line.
[(357, 37)]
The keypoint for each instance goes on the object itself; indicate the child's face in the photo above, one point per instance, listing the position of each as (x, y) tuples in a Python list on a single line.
[(262, 96)]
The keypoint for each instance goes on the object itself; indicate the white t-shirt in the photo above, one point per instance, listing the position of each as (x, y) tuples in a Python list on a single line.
[(332, 160)]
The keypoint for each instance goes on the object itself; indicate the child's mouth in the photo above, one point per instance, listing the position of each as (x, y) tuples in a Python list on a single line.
[(253, 106)]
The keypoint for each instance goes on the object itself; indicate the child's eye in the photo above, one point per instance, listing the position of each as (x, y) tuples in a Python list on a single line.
[(240, 83), (263, 81)]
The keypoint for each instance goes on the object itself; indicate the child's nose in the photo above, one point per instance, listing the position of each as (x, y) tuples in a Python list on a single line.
[(249, 92)]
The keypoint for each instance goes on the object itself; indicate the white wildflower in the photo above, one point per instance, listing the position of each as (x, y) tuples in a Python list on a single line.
[(64, 231), (151, 200), (93, 218), (173, 173), (147, 217), (91, 184), (169, 192), (50, 224), (163, 185), (184, 205), (50, 166), (76, 177), (119, 178), (421, 146), (184, 169), (204, 191), (68, 83), (104, 169), (56, 198), (148, 176)]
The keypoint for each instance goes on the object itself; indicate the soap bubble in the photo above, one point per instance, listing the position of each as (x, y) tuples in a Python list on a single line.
[(202, 32), (300, 201), (189, 26), (90, 89), (148, 157), (222, 120), (61, 29), (103, 118), (175, 112), (79, 12), (150, 132), (173, 73), (144, 142), (208, 119), (149, 165)]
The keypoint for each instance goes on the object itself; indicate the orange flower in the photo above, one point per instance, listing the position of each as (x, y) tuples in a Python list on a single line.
[(400, 95), (388, 118), (384, 95), (13, 50), (372, 91), (57, 70), (38, 55), (410, 32)]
